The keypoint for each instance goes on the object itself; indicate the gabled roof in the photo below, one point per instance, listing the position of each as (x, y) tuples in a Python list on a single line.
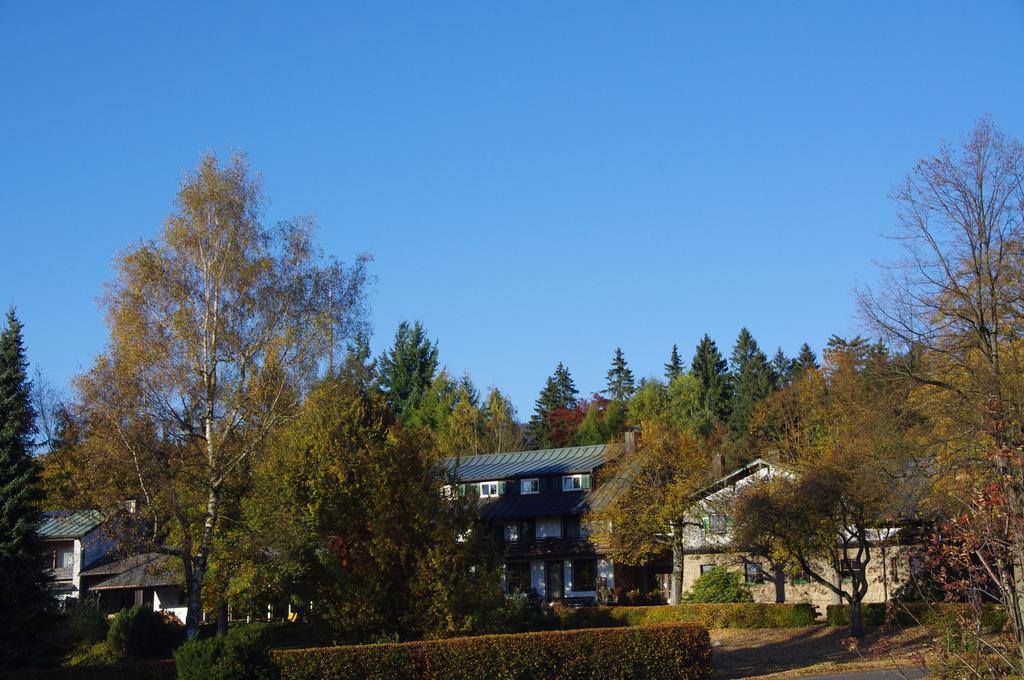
[(736, 475), (63, 524), (496, 466), (148, 570)]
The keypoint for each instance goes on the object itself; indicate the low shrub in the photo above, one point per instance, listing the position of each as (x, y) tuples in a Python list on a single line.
[(85, 623), (718, 586), (239, 655), (678, 651), (737, 615), (96, 654), (141, 633), (871, 614), (939, 614)]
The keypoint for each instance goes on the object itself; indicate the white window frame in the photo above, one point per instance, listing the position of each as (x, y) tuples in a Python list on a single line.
[(488, 489), (535, 483), (572, 483)]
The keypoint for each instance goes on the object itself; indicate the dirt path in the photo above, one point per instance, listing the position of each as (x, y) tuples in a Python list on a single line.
[(815, 649)]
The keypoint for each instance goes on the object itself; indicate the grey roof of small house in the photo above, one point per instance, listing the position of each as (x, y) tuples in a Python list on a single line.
[(519, 464), (63, 524), (147, 570)]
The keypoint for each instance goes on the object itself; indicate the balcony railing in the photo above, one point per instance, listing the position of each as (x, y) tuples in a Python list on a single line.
[(62, 573), (541, 547)]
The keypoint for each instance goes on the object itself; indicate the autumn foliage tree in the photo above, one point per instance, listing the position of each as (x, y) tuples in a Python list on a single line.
[(658, 480), (849, 441), (952, 304), (217, 327), (349, 514)]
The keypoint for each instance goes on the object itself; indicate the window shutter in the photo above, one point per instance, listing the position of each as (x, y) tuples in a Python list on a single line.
[(586, 482), (514, 486), (462, 490), (705, 522), (502, 488), (545, 483)]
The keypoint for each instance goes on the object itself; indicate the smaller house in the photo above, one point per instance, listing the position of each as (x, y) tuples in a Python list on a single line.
[(148, 578), (72, 542), (709, 545)]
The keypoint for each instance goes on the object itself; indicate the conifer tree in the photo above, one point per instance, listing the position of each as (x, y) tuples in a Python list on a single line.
[(674, 368), (621, 384), (23, 597), (408, 368), (804, 360), (559, 393), (752, 380), (714, 388), (782, 369)]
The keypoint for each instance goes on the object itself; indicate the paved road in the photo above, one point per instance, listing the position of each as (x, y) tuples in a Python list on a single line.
[(912, 673)]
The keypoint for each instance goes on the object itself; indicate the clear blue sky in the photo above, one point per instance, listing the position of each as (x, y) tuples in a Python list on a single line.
[(539, 182)]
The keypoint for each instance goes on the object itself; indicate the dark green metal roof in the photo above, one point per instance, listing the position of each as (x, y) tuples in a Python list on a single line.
[(69, 524), (520, 464)]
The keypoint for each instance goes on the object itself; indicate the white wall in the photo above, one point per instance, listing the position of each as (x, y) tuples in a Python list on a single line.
[(169, 600), (76, 570)]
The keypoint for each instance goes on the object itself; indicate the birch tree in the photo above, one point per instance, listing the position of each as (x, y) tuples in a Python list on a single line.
[(216, 329)]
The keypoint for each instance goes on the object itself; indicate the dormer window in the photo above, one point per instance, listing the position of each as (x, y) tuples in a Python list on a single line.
[(529, 486), (488, 489), (575, 482)]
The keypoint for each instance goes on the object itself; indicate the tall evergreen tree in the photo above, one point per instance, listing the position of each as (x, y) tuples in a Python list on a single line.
[(714, 388), (782, 369), (621, 384), (23, 596), (408, 368), (804, 360), (752, 380), (559, 393), (674, 368)]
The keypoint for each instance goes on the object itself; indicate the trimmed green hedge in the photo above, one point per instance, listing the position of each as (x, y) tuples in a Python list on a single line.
[(915, 614), (678, 651), (150, 670), (734, 615)]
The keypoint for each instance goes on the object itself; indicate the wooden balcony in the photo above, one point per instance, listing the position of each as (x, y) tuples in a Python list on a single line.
[(545, 547), (62, 573)]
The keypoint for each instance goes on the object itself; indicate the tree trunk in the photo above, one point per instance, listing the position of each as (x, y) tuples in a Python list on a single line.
[(779, 572), (856, 620), (193, 599), (678, 565), (222, 617)]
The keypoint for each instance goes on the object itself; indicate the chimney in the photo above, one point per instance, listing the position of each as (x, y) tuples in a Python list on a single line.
[(629, 441), (717, 466)]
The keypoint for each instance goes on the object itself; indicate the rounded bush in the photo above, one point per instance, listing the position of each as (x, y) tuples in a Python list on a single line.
[(718, 586), (141, 633), (239, 655)]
